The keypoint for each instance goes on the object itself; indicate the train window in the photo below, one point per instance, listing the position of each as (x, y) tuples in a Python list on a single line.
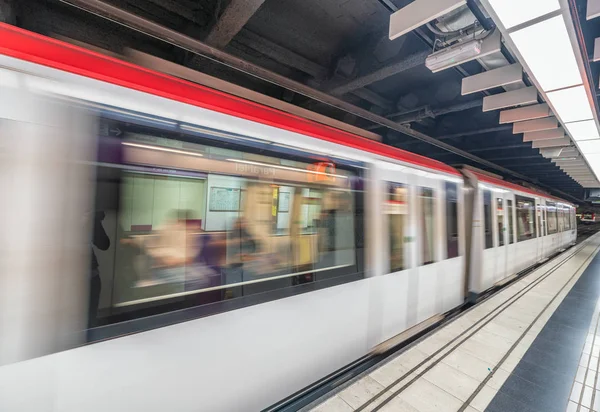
[(525, 218), (427, 238), (552, 218), (396, 208), (192, 224), (500, 212), (511, 228), (452, 219), (561, 218), (487, 216)]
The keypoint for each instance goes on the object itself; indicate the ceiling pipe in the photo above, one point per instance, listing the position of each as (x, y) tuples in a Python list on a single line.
[(476, 132), (159, 32), (427, 112)]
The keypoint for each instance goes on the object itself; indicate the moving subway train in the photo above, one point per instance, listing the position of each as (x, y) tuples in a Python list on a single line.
[(225, 254)]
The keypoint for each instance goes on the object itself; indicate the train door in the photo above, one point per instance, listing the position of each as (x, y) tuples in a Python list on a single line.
[(509, 239), (392, 246), (488, 230), (430, 229), (539, 208), (560, 213), (546, 244), (501, 237)]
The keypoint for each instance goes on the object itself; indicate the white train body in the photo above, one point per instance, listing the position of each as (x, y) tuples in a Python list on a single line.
[(249, 356)]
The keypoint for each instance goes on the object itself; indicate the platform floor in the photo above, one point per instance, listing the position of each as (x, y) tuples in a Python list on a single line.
[(535, 346)]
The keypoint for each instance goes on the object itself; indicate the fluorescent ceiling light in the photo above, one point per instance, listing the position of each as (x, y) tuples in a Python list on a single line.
[(515, 12), (589, 146), (571, 105), (161, 149), (586, 130), (453, 55), (548, 52)]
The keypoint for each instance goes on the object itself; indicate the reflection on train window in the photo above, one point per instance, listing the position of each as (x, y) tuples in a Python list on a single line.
[(525, 218), (500, 212), (561, 218), (452, 219), (552, 220), (427, 237), (567, 218), (396, 208), (196, 224), (511, 230), (487, 216)]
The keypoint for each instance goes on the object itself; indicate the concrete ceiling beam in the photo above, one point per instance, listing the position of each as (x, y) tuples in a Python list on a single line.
[(235, 16)]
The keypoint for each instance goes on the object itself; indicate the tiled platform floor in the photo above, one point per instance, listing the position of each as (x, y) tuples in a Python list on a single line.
[(531, 347)]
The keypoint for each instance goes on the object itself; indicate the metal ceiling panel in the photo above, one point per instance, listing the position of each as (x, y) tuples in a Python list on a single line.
[(593, 9), (565, 141), (492, 78), (527, 95), (557, 133), (520, 114), (535, 125), (418, 13)]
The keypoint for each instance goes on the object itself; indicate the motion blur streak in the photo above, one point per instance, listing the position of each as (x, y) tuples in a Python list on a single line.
[(45, 185)]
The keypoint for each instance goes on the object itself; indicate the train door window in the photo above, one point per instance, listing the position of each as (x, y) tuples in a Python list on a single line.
[(487, 215), (566, 217), (500, 212), (511, 229), (560, 216), (545, 224), (427, 238), (396, 209), (525, 218), (452, 219), (552, 220)]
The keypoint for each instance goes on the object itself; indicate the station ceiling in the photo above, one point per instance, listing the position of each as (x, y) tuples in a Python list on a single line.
[(341, 48)]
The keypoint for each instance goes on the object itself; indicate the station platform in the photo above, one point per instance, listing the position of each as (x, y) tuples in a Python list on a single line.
[(532, 347)]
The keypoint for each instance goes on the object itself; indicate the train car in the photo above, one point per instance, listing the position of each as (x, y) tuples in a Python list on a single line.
[(239, 252), (513, 228), (588, 218)]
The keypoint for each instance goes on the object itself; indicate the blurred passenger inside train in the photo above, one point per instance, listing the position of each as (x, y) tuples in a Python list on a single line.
[(102, 242), (241, 244), (173, 250)]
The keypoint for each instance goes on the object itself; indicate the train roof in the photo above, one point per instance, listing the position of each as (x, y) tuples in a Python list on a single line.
[(513, 186)]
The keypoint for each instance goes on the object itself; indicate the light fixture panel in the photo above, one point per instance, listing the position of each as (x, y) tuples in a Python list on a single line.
[(594, 162), (515, 12), (547, 50), (586, 130), (589, 147), (571, 105)]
